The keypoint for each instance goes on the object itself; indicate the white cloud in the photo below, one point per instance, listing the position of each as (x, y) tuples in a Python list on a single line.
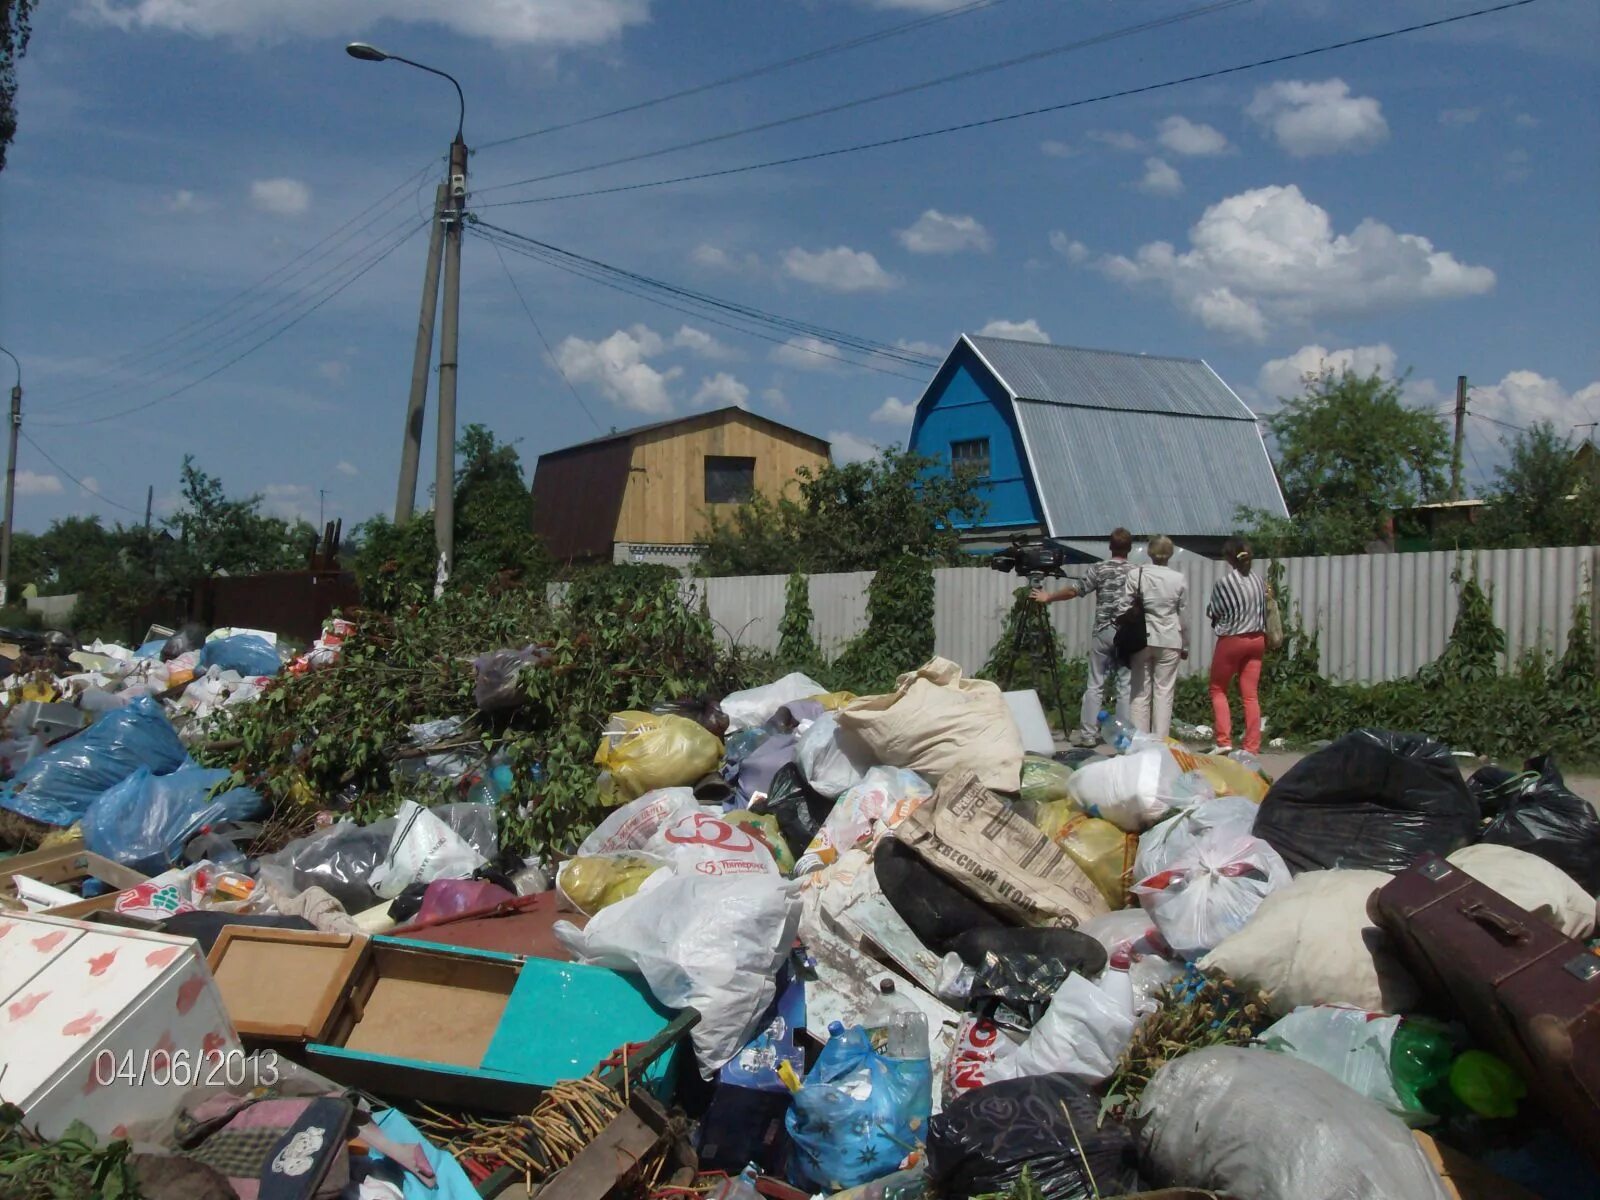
[(935, 232), (185, 200), (840, 269), (288, 500), (807, 354), (280, 197), (616, 366), (1525, 121), (1020, 331), (1161, 178), (89, 485), (345, 467), (31, 483), (1071, 249), (1269, 255), (1051, 148), (547, 22), (1117, 139), (698, 341), (915, 347), (721, 390), (334, 370), (1514, 167), (1318, 118), (894, 411), (1183, 136), (848, 448), (715, 258), (1459, 116), (1286, 376), (774, 399), (1523, 397)]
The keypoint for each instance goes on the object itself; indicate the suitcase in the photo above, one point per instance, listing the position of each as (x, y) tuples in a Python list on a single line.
[(1527, 992)]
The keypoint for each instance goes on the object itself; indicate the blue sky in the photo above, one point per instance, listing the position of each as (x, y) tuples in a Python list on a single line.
[(1425, 203)]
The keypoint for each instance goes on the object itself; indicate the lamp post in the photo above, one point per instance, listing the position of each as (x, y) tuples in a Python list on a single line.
[(11, 479), (449, 212)]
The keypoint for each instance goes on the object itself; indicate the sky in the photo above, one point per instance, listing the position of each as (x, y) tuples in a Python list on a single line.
[(212, 220)]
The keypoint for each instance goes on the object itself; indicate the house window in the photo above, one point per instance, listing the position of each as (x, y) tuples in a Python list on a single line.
[(729, 480), (971, 456)]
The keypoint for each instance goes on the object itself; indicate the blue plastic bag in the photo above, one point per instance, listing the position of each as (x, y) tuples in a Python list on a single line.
[(145, 820), (243, 652), (58, 786), (859, 1113)]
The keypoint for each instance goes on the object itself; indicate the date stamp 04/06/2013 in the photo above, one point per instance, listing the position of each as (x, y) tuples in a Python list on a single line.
[(186, 1068)]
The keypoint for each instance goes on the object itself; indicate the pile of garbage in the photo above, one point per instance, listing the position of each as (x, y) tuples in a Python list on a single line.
[(878, 946)]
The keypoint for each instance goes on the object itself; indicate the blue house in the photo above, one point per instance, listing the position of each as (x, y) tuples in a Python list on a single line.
[(1069, 444)]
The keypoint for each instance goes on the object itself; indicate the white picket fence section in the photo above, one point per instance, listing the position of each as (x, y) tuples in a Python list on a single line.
[(1378, 616)]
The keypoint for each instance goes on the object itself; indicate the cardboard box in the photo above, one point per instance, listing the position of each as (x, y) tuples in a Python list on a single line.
[(450, 1025), (61, 866), (1465, 1179), (104, 1024)]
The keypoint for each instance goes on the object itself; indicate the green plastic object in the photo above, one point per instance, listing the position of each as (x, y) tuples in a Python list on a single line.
[(1486, 1084), (1419, 1060)]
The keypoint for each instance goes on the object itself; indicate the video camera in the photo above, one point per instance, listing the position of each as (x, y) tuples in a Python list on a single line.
[(1033, 559)]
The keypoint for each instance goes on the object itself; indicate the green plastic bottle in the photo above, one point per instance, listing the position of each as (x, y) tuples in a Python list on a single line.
[(1419, 1061)]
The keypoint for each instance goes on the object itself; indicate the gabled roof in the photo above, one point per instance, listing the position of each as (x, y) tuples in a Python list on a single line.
[(1156, 444), (709, 417)]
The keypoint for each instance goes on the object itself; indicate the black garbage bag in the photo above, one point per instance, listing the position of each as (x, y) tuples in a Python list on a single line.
[(1023, 969), (1537, 812), (800, 810), (937, 910), (1374, 799), (979, 1145), (190, 637)]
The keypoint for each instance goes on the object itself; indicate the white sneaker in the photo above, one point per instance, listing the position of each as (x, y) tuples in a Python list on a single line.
[(1219, 748)]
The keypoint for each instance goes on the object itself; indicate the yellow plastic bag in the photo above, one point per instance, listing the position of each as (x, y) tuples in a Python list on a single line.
[(1043, 779), (654, 752), (1103, 851), (1226, 777), (832, 701), (764, 828), (592, 882)]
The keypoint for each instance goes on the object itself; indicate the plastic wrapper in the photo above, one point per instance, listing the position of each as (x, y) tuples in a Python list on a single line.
[(1104, 852), (590, 883), (1538, 813), (1372, 799), (1198, 903), (656, 752), (859, 1114), (765, 829), (1248, 1122), (979, 1044), (1043, 779), (833, 760), (884, 798), (753, 706), (1022, 968), (145, 820), (446, 898), (58, 786), (1173, 840), (243, 652), (799, 810), (1049, 1124), (422, 849), (496, 688)]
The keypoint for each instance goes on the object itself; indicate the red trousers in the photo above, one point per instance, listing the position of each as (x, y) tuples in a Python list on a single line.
[(1238, 655)]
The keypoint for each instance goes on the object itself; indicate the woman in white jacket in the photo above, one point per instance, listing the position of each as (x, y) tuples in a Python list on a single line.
[(1155, 668)]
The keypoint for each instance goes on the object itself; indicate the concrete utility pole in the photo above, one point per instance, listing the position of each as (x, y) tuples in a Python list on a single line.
[(11, 479), (1461, 429), (411, 444)]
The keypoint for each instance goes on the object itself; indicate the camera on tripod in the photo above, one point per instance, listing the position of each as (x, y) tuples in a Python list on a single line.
[(1034, 559)]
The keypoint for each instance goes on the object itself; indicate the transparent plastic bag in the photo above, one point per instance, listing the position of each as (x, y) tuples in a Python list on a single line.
[(495, 688), (422, 849), (1199, 902), (753, 706), (1175, 838), (145, 820), (833, 760), (1082, 1033), (1351, 1045), (1043, 779)]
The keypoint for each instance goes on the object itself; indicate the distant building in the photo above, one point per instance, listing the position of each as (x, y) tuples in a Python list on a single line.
[(1071, 443), (643, 495)]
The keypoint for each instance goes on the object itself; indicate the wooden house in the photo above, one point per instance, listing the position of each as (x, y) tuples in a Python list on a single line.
[(645, 494)]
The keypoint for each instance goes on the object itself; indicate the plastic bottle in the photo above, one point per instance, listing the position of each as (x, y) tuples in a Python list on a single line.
[(1486, 1085), (880, 1017), (1419, 1061), (1116, 733), (741, 1186)]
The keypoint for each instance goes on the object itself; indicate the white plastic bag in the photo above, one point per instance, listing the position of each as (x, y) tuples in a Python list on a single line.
[(1082, 1033), (1351, 1045), (1132, 791), (753, 707), (884, 798), (422, 849), (833, 760), (714, 945), (1174, 839), (635, 825), (694, 838), (1196, 904)]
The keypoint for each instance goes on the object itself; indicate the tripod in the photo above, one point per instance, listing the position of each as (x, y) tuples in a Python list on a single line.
[(1033, 636)]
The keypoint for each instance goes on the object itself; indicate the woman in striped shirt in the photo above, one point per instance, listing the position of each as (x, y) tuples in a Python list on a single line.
[(1238, 612)]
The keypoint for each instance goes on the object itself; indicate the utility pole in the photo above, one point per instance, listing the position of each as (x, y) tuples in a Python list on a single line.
[(1461, 428), (322, 494), (149, 504), (411, 445), (444, 472), (11, 480)]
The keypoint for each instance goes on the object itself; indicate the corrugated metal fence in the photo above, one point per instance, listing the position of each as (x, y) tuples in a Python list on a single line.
[(1379, 616)]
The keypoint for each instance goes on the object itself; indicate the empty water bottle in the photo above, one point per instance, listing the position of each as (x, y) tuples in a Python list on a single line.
[(740, 1187), (1116, 733)]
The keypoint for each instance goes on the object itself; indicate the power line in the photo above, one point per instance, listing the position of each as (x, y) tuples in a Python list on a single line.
[(551, 354), (97, 495), (273, 336), (893, 93), (1017, 116), (752, 73), (1497, 421)]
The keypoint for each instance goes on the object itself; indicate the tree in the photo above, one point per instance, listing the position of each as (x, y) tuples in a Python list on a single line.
[(232, 536), (849, 517), (1349, 453), (15, 28), (1546, 494)]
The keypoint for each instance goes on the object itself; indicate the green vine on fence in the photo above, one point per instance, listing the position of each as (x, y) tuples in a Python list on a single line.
[(797, 648), (899, 632)]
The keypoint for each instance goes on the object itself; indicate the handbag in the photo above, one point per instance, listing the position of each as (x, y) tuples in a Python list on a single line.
[(1131, 635), (1274, 625)]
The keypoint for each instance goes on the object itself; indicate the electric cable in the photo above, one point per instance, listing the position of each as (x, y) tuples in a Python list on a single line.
[(96, 494), (551, 354)]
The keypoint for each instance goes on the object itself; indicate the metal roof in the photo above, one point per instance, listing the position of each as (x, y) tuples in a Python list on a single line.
[(710, 416), (1106, 379)]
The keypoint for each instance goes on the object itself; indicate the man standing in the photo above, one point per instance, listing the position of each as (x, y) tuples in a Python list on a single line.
[(1109, 582)]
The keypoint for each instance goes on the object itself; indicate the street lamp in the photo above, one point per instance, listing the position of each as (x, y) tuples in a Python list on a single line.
[(449, 211), (11, 478)]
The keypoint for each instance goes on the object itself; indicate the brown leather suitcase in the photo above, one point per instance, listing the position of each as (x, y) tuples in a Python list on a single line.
[(1527, 992)]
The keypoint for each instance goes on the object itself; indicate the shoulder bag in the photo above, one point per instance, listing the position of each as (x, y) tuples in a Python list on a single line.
[(1131, 635), (1274, 623)]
